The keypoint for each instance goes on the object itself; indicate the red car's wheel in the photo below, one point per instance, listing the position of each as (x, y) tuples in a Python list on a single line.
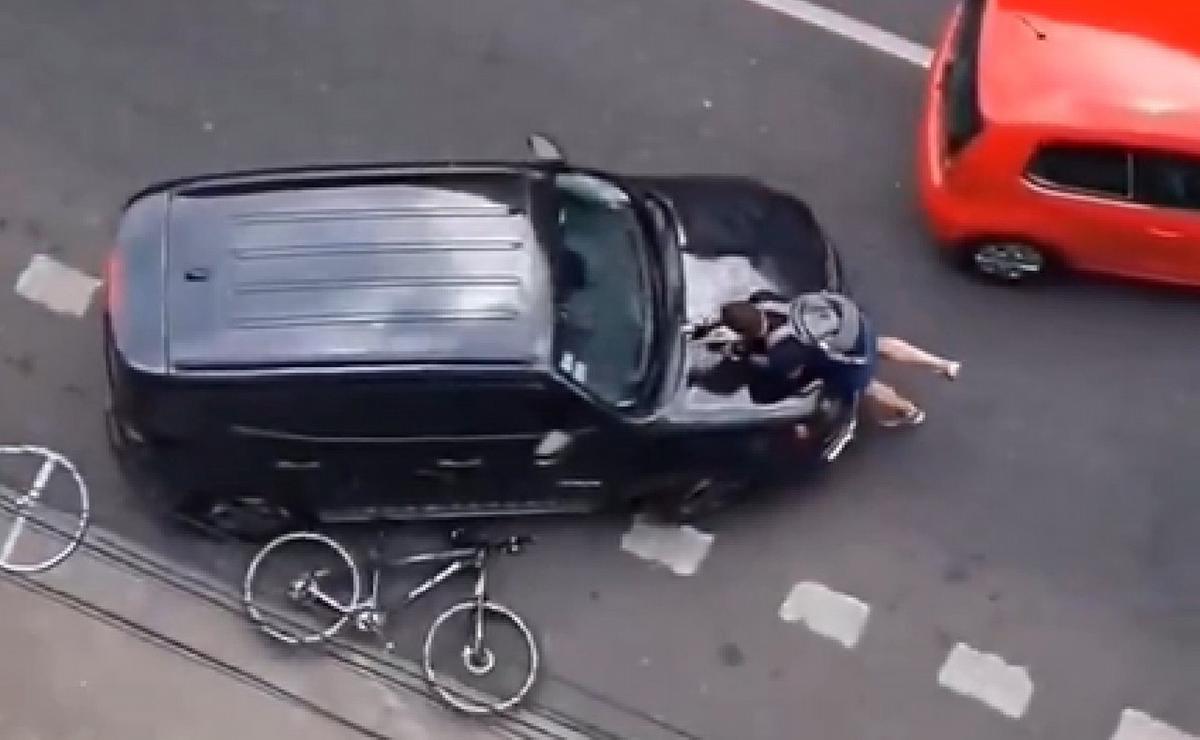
[(1007, 261)]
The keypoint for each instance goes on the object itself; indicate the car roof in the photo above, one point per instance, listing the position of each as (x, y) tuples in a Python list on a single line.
[(427, 267), (1099, 65)]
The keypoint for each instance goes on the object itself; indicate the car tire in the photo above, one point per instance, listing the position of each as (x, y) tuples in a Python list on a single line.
[(121, 446), (249, 518), (693, 502), (1007, 261)]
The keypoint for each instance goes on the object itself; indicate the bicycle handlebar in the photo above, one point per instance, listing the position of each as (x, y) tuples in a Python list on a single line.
[(513, 545)]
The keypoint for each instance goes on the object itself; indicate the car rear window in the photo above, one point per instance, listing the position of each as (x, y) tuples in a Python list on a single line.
[(960, 89), (1102, 170), (1168, 180)]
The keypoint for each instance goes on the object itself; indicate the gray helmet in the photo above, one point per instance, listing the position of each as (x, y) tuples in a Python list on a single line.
[(830, 321)]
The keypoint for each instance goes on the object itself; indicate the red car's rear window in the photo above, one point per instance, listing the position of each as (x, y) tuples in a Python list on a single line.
[(960, 91)]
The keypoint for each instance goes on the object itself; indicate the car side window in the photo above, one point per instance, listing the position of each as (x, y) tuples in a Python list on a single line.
[(1103, 170), (392, 409), (1168, 180)]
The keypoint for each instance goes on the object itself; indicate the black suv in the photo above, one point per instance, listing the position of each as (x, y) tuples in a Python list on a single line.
[(447, 340)]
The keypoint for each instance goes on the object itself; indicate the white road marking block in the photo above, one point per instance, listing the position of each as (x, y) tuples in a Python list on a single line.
[(1136, 725), (680, 548), (853, 29), (987, 678), (836, 616), (56, 286)]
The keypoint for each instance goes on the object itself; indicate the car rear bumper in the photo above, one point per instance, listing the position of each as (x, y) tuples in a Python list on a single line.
[(938, 203), (943, 219)]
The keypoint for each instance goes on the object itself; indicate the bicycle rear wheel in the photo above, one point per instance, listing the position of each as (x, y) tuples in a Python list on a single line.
[(301, 588), (493, 679)]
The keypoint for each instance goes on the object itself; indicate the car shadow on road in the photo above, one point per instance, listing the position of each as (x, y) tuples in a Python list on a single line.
[(805, 486)]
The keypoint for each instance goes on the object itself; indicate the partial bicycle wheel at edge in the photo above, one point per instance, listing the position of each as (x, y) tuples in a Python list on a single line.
[(300, 588), (453, 629)]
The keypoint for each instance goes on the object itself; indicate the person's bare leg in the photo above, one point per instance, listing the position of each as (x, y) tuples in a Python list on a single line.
[(889, 407), (898, 350)]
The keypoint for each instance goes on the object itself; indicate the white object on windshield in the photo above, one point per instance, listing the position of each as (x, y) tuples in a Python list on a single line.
[(712, 282)]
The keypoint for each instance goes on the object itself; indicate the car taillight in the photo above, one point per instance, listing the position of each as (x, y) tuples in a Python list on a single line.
[(114, 283)]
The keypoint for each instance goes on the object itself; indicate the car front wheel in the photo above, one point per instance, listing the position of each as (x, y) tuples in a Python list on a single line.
[(1007, 261), (694, 501)]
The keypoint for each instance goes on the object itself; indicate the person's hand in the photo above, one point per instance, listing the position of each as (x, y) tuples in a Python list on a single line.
[(701, 327), (733, 350)]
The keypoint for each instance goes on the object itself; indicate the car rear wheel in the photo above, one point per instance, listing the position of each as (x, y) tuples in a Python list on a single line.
[(252, 518), (1006, 261)]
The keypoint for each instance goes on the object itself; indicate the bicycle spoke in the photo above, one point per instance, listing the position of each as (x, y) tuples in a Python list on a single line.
[(318, 593), (43, 477), (10, 540)]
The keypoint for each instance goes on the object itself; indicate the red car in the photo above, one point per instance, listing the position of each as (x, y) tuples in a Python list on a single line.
[(1066, 132)]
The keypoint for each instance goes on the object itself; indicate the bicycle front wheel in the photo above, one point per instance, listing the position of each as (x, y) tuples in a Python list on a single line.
[(484, 676), (301, 588)]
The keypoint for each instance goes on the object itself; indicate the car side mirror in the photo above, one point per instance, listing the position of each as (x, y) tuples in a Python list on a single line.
[(544, 148), (551, 446)]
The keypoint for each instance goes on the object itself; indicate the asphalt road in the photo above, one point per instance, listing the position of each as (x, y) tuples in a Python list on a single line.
[(1047, 512)]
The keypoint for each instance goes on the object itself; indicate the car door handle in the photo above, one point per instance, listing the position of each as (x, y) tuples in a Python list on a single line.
[(449, 463), (1164, 233), (297, 465)]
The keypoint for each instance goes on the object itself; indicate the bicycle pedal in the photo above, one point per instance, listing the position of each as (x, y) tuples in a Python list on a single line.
[(370, 620)]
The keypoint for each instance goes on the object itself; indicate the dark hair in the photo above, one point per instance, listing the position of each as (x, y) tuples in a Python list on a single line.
[(743, 317)]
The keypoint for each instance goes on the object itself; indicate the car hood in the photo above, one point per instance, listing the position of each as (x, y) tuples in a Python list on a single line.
[(714, 393), (739, 236), (736, 237)]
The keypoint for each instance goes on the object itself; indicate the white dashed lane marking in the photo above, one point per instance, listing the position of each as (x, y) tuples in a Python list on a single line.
[(853, 29), (56, 286), (1138, 726), (680, 548), (987, 678), (836, 616)]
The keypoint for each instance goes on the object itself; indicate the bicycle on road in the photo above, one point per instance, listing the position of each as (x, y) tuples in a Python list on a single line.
[(307, 604), (39, 531)]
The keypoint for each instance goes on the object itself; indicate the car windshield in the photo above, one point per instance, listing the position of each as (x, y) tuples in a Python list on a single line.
[(603, 294)]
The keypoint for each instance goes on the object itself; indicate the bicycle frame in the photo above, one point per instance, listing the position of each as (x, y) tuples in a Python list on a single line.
[(461, 558)]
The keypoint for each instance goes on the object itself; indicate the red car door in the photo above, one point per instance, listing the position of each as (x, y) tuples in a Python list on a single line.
[(1082, 207), (1169, 186)]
